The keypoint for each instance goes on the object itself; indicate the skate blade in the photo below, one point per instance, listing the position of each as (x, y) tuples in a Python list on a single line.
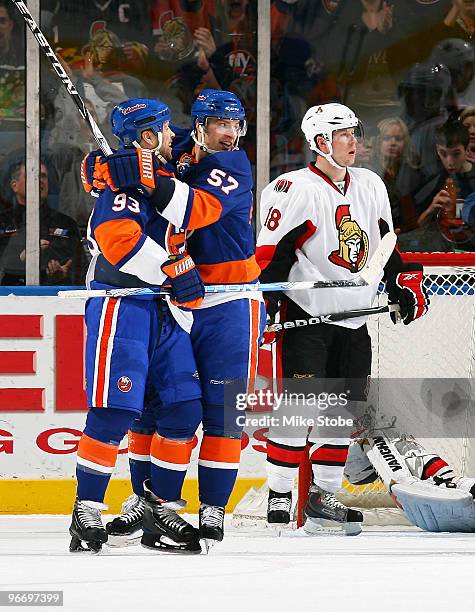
[(117, 541), (166, 545), (316, 527), (81, 546), (207, 544)]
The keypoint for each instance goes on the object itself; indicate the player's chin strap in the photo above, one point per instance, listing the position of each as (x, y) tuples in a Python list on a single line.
[(400, 463), (329, 156), (156, 150), (204, 147)]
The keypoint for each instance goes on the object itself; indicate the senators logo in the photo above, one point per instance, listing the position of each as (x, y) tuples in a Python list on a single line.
[(124, 384), (283, 185), (353, 250)]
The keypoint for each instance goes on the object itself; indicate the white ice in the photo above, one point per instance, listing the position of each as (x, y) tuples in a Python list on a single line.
[(403, 571)]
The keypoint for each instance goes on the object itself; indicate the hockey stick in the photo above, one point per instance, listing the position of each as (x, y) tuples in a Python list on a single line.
[(369, 275), (332, 318), (60, 71)]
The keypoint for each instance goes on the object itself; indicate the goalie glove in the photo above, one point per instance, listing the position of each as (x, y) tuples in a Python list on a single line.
[(187, 289), (407, 289)]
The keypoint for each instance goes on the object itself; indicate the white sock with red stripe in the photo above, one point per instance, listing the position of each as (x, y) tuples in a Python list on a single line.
[(284, 456), (328, 458)]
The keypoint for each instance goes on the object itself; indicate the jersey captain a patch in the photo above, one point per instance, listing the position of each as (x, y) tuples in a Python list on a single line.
[(352, 253), (282, 185)]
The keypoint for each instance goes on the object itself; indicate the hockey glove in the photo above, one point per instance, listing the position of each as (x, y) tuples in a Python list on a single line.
[(91, 175), (187, 289), (407, 289), (272, 303), (130, 168)]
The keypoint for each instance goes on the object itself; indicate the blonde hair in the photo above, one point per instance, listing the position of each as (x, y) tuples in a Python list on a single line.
[(408, 155), (468, 112)]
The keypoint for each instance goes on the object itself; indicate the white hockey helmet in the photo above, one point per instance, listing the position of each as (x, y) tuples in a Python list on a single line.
[(323, 120)]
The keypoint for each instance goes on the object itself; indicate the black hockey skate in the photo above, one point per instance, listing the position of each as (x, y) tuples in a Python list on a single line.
[(211, 525), (87, 531), (126, 529), (325, 514), (164, 530), (278, 507)]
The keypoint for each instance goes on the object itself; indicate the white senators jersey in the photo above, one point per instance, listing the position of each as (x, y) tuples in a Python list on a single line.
[(312, 231)]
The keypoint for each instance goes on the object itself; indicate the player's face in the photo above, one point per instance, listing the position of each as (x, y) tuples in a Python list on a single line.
[(167, 138), (392, 143), (221, 134), (452, 158), (344, 146)]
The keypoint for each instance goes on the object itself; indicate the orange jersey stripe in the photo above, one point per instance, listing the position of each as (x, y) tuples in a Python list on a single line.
[(243, 271), (101, 362), (97, 452), (117, 238), (227, 450), (171, 451), (206, 209), (139, 443), (254, 347)]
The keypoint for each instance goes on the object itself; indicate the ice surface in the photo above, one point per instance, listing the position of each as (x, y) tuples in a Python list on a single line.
[(249, 571)]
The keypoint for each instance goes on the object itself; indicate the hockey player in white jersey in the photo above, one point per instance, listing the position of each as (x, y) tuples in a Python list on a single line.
[(324, 222)]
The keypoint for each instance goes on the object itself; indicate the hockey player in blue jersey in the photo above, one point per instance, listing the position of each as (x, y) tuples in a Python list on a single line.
[(137, 349), (227, 328)]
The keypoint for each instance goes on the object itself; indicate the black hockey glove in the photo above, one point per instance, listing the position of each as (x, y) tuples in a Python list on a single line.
[(407, 289), (272, 302)]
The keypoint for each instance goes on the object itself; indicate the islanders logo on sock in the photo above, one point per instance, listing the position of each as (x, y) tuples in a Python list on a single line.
[(352, 253)]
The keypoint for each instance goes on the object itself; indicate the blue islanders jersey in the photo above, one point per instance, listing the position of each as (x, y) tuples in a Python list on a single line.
[(224, 250)]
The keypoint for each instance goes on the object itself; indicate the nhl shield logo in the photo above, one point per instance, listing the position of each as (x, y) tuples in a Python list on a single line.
[(124, 384)]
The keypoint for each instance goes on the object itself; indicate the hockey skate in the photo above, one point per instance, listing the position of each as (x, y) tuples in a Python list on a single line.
[(278, 507), (126, 529), (325, 514), (164, 530), (87, 531), (211, 525)]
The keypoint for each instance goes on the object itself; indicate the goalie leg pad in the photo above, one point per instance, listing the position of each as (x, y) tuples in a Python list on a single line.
[(436, 508)]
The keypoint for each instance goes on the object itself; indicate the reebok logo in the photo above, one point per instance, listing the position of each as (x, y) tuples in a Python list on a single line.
[(407, 276), (387, 454)]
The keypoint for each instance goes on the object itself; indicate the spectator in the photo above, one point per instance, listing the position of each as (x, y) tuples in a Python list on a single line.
[(396, 163), (458, 56), (467, 117), (451, 144), (422, 92), (73, 22), (60, 242), (12, 81)]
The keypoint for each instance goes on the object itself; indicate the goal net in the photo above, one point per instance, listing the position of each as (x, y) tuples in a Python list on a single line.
[(441, 345)]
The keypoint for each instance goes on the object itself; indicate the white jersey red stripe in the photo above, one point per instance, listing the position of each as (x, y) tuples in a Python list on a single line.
[(335, 234)]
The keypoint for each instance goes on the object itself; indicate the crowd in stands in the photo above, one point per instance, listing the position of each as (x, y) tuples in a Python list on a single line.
[(406, 67)]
